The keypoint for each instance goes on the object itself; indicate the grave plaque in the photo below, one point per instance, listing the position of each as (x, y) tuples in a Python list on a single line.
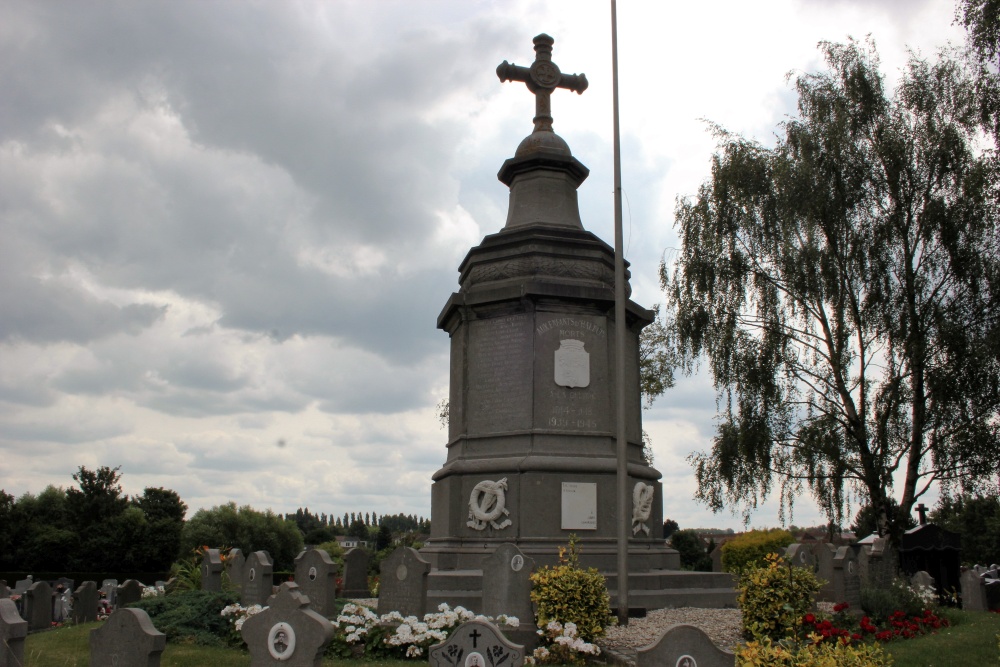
[(38, 606), (258, 580), (127, 638), (356, 574), (684, 646), (579, 506), (476, 644), (85, 603), (13, 630), (403, 583), (316, 575), (288, 632)]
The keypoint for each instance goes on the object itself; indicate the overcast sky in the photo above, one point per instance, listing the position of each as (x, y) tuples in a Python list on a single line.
[(227, 228)]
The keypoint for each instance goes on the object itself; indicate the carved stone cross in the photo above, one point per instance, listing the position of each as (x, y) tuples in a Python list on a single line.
[(542, 78), (922, 513)]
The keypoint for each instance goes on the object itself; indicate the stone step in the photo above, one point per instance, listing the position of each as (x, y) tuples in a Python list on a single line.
[(673, 579)]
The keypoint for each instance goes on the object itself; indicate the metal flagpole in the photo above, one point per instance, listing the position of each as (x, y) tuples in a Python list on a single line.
[(622, 477)]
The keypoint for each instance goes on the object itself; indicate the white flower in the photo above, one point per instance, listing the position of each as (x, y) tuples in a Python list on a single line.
[(414, 651)]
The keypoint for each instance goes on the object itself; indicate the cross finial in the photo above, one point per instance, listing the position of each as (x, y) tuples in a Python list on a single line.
[(922, 513), (542, 78)]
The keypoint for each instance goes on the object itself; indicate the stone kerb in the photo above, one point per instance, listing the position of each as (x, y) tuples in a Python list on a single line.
[(235, 565), (476, 644), (38, 606), (129, 592), (507, 590), (316, 575), (211, 570), (684, 646), (356, 574), (13, 630), (85, 599), (403, 583), (258, 580), (287, 633), (127, 638)]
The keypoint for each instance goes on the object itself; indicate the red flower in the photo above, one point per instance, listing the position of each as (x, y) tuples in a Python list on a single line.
[(809, 618), (839, 607)]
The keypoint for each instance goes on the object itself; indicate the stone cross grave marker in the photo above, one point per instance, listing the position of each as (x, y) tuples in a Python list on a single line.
[(127, 638), (38, 606), (847, 579), (85, 603), (211, 570), (507, 583), (476, 644), (316, 575), (287, 632), (129, 592), (258, 582), (13, 630), (235, 566), (403, 583), (684, 646), (542, 78), (356, 574)]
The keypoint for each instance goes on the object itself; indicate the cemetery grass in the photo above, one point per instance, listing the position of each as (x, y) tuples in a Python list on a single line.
[(69, 646), (972, 636)]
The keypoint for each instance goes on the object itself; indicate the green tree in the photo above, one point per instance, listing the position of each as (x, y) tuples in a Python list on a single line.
[(692, 550), (358, 529), (384, 538), (244, 528), (163, 511), (977, 520), (845, 286), (95, 511), (669, 528)]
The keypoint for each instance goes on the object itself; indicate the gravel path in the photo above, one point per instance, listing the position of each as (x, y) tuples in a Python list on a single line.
[(721, 625)]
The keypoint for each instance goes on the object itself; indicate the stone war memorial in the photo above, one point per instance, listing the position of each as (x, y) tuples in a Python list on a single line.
[(532, 452)]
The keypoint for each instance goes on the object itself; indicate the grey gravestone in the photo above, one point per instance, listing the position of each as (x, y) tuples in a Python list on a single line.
[(403, 583), (211, 570), (66, 583), (110, 589), (316, 575), (356, 574), (922, 579), (847, 579), (883, 563), (716, 557), (801, 555), (287, 632), (85, 603), (129, 592), (684, 646), (235, 564), (257, 579), (824, 570), (62, 605), (507, 583), (127, 638), (973, 591), (38, 606), (4, 589), (476, 644), (13, 630), (21, 585)]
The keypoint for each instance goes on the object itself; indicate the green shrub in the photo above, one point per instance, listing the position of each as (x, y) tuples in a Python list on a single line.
[(774, 598), (569, 594), (879, 603), (789, 653), (691, 550), (190, 616), (749, 549)]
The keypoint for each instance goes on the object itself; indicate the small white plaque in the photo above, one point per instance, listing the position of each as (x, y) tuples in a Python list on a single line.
[(579, 506)]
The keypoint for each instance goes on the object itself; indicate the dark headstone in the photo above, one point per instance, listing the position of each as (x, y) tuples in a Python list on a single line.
[(127, 638), (356, 574), (801, 555), (316, 575), (507, 583), (235, 565), (847, 578), (287, 633), (991, 591), (4, 589), (476, 644), (825, 552), (403, 583), (129, 592), (13, 630), (85, 603), (110, 589), (257, 579), (38, 606), (684, 646), (211, 570)]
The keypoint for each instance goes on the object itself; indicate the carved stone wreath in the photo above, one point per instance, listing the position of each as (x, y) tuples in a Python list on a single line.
[(642, 506), (486, 505)]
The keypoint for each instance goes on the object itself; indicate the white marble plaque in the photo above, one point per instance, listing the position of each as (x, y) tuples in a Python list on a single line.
[(579, 506)]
